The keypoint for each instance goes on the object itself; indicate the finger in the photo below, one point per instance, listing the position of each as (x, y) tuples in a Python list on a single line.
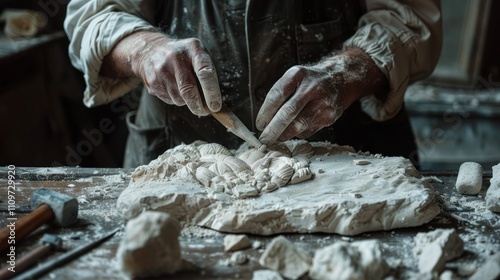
[(161, 84), (313, 127), (300, 124), (150, 80), (285, 115), (172, 95), (188, 90), (322, 119), (207, 76), (307, 118), (308, 133), (278, 94)]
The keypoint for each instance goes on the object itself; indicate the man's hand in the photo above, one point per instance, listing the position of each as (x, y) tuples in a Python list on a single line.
[(309, 98), (169, 68)]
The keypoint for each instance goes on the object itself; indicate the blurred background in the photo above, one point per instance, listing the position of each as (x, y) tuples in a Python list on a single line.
[(455, 113)]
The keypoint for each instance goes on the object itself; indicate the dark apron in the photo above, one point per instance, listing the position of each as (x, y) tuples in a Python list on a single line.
[(278, 35)]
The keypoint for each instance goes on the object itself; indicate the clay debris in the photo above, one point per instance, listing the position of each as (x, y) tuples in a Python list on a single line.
[(238, 258), (470, 178), (265, 274), (150, 245), (235, 242), (284, 257), (493, 193), (437, 247), (343, 260), (490, 270), (431, 259)]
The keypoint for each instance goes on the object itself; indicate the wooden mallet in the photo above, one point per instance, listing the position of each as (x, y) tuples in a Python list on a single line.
[(49, 206)]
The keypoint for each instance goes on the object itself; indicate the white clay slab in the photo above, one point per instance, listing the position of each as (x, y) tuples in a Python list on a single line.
[(343, 197)]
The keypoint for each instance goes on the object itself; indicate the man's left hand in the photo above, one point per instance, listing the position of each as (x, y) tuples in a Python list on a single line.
[(309, 98)]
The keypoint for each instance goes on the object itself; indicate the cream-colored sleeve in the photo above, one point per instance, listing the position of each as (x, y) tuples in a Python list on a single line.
[(404, 39), (94, 27)]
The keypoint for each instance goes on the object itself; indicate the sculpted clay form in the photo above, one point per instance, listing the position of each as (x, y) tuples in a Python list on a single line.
[(250, 191)]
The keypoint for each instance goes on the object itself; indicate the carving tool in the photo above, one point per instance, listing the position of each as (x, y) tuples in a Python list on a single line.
[(50, 243), (64, 258), (228, 119)]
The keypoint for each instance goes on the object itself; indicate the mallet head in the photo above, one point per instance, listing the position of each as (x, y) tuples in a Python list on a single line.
[(65, 207)]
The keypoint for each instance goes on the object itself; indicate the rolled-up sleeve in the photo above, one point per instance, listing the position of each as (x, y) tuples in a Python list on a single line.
[(404, 39), (94, 27)]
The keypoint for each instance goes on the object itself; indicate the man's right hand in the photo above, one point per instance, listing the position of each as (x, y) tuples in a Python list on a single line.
[(169, 68)]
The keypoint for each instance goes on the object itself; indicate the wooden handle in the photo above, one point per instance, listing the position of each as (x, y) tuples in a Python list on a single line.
[(25, 226)]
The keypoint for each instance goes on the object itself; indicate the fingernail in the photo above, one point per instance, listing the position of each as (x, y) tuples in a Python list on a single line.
[(260, 124), (215, 106), (263, 140)]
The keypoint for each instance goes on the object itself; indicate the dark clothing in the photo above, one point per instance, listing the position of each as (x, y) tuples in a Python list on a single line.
[(150, 136), (252, 47)]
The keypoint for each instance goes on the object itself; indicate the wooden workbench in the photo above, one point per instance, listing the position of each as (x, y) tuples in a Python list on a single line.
[(98, 189)]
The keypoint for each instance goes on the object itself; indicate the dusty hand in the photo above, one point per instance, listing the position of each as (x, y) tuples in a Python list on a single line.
[(171, 68), (309, 98)]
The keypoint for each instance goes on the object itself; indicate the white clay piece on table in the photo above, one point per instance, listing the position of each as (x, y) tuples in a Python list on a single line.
[(150, 245), (470, 178), (283, 256), (493, 192), (343, 261)]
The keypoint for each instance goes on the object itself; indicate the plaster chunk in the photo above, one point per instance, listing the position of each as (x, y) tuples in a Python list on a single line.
[(238, 258), (361, 162), (431, 259), (452, 245), (150, 245), (447, 275), (470, 178), (266, 275), (466, 270), (343, 260), (490, 270), (493, 192), (282, 256), (235, 242)]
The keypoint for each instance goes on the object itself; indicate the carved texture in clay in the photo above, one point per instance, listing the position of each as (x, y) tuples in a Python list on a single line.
[(342, 197), (243, 175)]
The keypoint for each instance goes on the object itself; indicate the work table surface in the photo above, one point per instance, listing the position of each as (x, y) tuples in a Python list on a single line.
[(97, 190)]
